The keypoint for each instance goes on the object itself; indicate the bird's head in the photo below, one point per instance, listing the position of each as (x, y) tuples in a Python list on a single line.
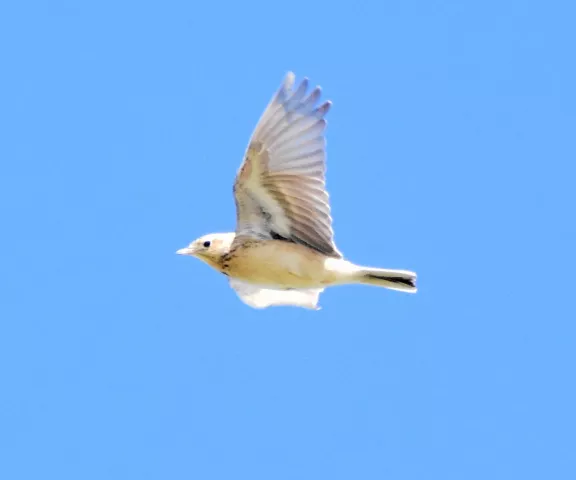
[(209, 248)]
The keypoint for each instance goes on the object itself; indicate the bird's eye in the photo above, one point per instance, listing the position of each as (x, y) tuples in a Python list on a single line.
[(206, 244)]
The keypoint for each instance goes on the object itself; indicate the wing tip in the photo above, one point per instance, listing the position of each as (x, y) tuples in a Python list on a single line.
[(324, 108), (289, 80)]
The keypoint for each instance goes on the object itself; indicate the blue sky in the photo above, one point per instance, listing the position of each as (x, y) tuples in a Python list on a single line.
[(451, 152)]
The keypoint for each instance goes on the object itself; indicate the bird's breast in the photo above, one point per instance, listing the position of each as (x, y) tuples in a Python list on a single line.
[(276, 263)]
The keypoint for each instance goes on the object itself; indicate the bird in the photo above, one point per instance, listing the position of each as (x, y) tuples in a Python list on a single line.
[(282, 252)]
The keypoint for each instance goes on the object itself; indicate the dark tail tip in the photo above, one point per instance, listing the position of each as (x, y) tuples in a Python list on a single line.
[(404, 280)]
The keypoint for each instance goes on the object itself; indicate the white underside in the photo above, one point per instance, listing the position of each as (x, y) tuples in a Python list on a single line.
[(261, 297)]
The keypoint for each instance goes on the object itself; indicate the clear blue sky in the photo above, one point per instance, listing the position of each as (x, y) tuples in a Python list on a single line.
[(451, 151)]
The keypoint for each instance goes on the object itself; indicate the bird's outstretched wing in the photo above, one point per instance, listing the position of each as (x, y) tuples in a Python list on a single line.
[(280, 188), (263, 297)]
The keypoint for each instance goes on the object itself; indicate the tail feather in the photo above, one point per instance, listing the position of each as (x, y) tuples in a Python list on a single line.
[(402, 280)]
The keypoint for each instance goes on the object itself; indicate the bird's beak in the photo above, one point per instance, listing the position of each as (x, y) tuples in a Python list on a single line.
[(185, 251)]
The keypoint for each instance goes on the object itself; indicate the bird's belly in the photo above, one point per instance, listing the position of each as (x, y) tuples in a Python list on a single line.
[(279, 264)]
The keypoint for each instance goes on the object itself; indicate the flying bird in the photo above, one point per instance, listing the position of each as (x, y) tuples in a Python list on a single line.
[(283, 250)]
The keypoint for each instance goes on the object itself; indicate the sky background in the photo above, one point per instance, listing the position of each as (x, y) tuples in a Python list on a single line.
[(451, 152)]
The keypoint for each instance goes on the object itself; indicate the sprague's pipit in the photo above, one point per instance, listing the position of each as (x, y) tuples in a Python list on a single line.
[(283, 251)]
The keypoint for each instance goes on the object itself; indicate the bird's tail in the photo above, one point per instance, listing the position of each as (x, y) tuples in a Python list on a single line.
[(393, 279)]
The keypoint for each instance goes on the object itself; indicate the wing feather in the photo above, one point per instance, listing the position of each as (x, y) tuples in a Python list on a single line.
[(280, 189)]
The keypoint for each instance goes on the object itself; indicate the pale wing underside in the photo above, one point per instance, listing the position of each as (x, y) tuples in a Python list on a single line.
[(262, 297), (280, 187)]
